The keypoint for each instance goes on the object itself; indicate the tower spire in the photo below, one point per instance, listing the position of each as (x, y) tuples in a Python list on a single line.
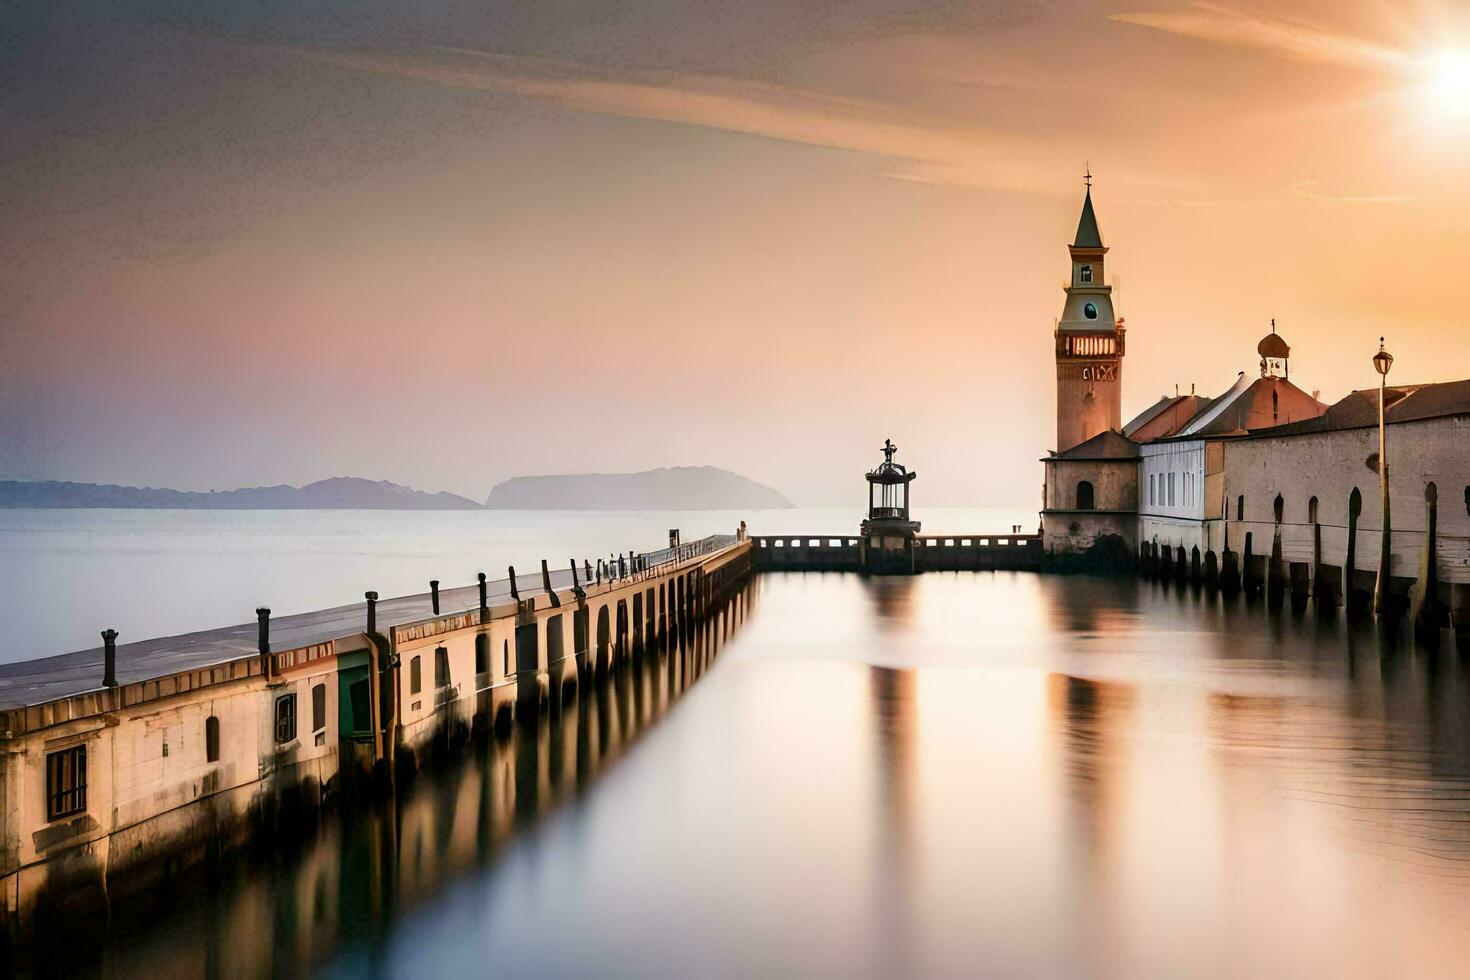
[(1088, 235)]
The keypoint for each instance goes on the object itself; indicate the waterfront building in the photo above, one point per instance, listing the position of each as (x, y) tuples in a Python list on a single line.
[(1307, 493), (1181, 503), (1089, 497)]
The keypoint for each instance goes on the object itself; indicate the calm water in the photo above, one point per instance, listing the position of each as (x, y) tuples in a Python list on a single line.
[(67, 574), (954, 774)]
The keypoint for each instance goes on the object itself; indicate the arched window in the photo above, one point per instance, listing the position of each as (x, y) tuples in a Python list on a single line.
[(1085, 275), (211, 739), (1355, 503), (1312, 511), (1084, 495), (1278, 508), (1275, 404), (1240, 508)]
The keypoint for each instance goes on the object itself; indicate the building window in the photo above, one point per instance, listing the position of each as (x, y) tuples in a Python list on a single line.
[(1312, 511), (441, 667), (211, 739), (1086, 274), (66, 782), (1089, 310), (482, 652), (1279, 508), (1171, 489), (415, 676), (1084, 496), (318, 707), (1150, 489), (1240, 508), (286, 718)]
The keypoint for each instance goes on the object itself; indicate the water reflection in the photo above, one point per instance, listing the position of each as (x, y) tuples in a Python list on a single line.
[(954, 774), (279, 912)]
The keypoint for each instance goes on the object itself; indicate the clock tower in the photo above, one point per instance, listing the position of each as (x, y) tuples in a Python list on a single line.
[(1089, 342)]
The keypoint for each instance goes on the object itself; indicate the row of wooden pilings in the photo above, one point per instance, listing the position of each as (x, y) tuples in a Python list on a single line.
[(1267, 575)]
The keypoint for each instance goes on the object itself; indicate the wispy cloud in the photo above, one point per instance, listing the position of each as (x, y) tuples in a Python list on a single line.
[(1309, 189), (914, 147), (1294, 39)]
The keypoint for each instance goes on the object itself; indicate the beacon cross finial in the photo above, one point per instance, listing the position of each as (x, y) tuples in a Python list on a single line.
[(1087, 173), (888, 450)]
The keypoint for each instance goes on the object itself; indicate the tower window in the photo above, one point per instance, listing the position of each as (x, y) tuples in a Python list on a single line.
[(1084, 495), (1089, 310), (1085, 275)]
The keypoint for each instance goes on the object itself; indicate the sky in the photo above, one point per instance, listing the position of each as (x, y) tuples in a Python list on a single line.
[(448, 243)]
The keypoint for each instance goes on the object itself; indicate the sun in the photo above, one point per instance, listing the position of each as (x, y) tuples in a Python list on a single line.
[(1446, 83)]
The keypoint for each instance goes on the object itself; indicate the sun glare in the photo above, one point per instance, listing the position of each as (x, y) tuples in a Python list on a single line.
[(1446, 88)]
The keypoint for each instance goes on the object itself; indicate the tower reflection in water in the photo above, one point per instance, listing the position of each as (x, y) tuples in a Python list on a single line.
[(368, 867)]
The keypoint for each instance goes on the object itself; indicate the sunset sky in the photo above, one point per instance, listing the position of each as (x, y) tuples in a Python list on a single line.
[(449, 243)]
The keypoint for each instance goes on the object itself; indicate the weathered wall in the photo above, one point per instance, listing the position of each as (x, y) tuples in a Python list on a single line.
[(1329, 466)]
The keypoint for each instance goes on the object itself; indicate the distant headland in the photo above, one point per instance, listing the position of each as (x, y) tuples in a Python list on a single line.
[(673, 488), (679, 488), (337, 493)]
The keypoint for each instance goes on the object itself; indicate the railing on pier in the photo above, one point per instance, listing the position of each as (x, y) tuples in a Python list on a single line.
[(932, 553)]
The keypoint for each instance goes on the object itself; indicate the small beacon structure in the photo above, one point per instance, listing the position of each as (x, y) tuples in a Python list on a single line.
[(888, 534)]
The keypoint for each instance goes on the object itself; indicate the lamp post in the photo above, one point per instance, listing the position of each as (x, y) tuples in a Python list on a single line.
[(1382, 361)]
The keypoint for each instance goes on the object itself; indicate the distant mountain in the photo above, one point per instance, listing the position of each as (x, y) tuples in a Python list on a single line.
[(678, 488), (337, 493)]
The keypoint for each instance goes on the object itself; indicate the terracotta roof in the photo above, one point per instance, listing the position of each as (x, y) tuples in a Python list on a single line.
[(1405, 403), (1252, 404), (1110, 444), (1164, 418)]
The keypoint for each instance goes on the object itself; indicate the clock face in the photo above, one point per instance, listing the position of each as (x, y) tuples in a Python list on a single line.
[(1090, 311)]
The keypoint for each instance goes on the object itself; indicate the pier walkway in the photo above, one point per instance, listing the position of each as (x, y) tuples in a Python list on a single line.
[(34, 682)]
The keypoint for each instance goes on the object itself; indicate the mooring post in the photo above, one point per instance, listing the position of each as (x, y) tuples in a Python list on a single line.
[(1276, 571), (546, 584), (434, 594), (484, 598), (587, 568), (1350, 598), (515, 593), (1424, 598), (109, 658), (372, 612)]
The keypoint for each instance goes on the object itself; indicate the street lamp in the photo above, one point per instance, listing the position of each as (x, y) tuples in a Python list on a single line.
[(1382, 361)]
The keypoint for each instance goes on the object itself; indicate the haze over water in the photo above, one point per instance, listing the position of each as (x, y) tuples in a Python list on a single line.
[(995, 774)]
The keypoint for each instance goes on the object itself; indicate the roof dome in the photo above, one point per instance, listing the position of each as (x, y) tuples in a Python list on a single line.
[(1273, 346)]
